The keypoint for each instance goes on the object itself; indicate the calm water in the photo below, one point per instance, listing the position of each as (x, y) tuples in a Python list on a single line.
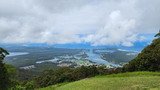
[(97, 59)]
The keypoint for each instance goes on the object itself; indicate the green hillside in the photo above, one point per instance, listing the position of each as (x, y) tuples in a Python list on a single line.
[(124, 81), (147, 60)]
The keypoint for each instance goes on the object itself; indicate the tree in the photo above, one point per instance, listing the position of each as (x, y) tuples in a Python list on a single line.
[(148, 59), (4, 76), (158, 34)]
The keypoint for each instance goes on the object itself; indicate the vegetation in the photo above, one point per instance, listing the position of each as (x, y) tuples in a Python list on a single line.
[(118, 57), (122, 81), (9, 76), (158, 34), (61, 75), (147, 60), (4, 76), (37, 54)]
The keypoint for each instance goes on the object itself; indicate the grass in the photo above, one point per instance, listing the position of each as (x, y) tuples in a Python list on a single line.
[(122, 81)]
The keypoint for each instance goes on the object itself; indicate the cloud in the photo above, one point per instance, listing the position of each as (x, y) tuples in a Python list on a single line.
[(117, 30), (105, 22)]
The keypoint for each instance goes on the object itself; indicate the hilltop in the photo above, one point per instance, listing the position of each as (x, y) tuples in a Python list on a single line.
[(123, 81)]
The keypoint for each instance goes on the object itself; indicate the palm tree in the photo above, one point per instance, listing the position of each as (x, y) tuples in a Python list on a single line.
[(158, 34)]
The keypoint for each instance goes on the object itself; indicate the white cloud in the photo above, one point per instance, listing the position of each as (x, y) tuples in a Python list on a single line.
[(117, 30), (105, 22)]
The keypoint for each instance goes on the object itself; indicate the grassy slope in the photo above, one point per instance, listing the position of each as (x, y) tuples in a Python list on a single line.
[(124, 81)]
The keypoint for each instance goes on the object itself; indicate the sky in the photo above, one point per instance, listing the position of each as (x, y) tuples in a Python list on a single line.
[(97, 22)]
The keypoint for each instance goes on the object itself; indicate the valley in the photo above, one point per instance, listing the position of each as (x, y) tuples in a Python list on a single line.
[(41, 58)]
